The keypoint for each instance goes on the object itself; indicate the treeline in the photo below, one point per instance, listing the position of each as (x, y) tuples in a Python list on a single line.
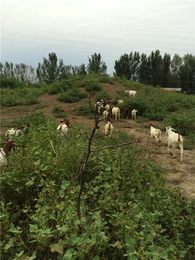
[(154, 69)]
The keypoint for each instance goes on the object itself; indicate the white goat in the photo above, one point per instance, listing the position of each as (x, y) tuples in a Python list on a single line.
[(15, 132), (133, 113), (108, 128), (107, 107), (130, 93), (156, 133), (4, 152), (173, 140), (116, 113), (63, 127), (120, 102), (99, 105), (105, 113)]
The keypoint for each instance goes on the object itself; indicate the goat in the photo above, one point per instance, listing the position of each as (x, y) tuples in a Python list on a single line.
[(173, 140), (107, 107), (120, 102), (156, 133), (105, 113), (116, 113), (4, 152), (15, 132), (130, 93), (63, 127), (103, 103), (126, 112), (99, 105), (133, 113), (108, 128)]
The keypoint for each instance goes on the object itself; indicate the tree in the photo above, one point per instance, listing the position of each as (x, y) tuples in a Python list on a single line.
[(96, 65), (187, 74), (156, 68), (166, 71), (144, 70), (128, 66), (50, 71), (174, 69)]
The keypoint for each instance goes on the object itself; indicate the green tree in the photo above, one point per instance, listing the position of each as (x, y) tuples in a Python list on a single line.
[(166, 71), (187, 74), (144, 70), (156, 68), (174, 68), (96, 65), (50, 71), (128, 66)]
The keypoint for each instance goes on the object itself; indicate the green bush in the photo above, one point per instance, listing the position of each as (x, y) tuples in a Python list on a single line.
[(71, 96), (84, 110), (182, 121), (58, 111), (127, 212)]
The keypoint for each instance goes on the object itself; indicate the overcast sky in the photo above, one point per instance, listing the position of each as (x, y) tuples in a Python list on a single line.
[(76, 29)]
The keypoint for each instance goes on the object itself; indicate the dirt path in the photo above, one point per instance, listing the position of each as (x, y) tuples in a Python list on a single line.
[(177, 174)]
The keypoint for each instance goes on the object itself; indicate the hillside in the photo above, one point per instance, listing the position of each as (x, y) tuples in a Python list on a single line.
[(177, 174)]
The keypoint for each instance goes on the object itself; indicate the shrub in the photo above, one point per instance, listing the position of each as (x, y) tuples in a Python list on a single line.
[(84, 110), (71, 96), (58, 111)]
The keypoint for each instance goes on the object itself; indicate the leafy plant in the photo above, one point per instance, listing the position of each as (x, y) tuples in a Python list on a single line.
[(71, 96)]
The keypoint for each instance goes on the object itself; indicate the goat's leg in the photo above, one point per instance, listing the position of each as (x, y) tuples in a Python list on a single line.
[(169, 150), (181, 148)]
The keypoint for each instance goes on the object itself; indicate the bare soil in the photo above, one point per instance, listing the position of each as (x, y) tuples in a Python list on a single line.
[(177, 174)]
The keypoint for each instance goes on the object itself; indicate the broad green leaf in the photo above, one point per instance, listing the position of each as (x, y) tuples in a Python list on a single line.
[(68, 255), (57, 247)]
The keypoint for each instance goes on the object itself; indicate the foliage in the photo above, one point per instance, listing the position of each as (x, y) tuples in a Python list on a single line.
[(96, 64), (84, 110), (20, 96), (127, 212), (58, 111), (182, 121), (50, 71), (10, 83), (71, 95), (91, 85)]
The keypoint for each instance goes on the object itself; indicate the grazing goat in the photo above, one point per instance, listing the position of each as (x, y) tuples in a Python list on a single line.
[(116, 113), (15, 132), (105, 113), (99, 105), (4, 152), (156, 133), (63, 127), (126, 112), (108, 128), (120, 102), (130, 93), (133, 113), (103, 103), (173, 140), (107, 107)]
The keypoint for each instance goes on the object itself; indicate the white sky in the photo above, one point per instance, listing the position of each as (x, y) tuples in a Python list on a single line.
[(76, 29)]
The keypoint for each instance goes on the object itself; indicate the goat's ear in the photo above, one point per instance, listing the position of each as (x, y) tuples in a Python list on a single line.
[(4, 142)]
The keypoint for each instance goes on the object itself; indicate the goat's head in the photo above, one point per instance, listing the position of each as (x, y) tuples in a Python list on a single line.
[(150, 124), (65, 121), (27, 124), (8, 145)]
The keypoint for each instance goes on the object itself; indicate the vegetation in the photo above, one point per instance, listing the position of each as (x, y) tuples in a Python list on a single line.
[(126, 211), (151, 70)]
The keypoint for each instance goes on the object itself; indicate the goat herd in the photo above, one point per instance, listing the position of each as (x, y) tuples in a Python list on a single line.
[(173, 138)]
